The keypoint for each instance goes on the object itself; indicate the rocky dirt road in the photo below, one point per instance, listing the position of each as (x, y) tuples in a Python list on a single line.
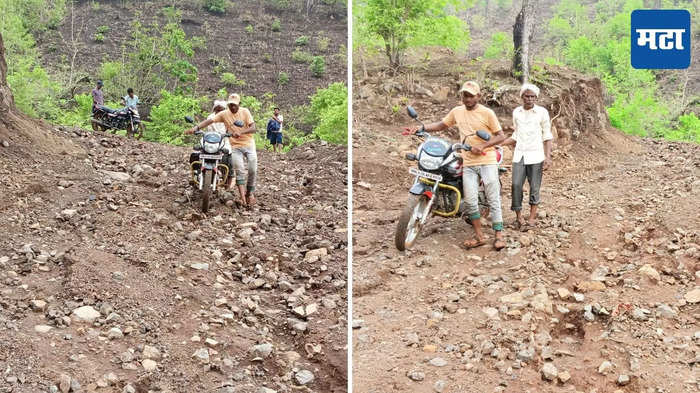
[(603, 296), (111, 280)]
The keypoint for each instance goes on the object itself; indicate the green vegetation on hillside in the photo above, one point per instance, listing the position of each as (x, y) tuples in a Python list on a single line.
[(157, 61), (396, 25), (596, 40)]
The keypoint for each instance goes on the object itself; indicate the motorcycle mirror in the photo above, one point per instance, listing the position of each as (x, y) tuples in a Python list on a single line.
[(189, 119), (412, 112), (483, 135), (410, 156), (238, 123)]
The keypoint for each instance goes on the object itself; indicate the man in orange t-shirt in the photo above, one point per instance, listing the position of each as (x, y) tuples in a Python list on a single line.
[(480, 162), (242, 145)]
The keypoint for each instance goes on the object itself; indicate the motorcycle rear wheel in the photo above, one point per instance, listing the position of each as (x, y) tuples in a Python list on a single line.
[(206, 190), (409, 225), (96, 126)]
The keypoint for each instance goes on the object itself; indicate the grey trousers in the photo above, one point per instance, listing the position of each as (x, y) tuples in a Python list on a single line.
[(238, 155), (492, 189), (533, 173)]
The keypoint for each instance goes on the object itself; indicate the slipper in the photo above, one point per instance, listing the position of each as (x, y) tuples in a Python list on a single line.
[(251, 200), (517, 224), (473, 243), (499, 244), (527, 226)]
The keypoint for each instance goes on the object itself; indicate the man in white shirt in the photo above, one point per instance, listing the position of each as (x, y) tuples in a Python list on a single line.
[(533, 145)]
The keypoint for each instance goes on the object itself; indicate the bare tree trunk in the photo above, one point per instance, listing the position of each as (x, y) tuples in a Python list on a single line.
[(522, 35), (309, 7), (6, 101)]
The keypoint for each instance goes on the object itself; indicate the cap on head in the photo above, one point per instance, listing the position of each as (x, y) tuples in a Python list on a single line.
[(531, 87), (470, 87), (234, 99), (99, 83)]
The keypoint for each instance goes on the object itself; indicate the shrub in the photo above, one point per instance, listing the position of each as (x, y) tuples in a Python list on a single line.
[(276, 25), (301, 41), (318, 66), (282, 78), (329, 113), (216, 6), (80, 115), (249, 29), (167, 123), (280, 4), (688, 129), (103, 29), (99, 37), (229, 79), (300, 56), (322, 43), (500, 46)]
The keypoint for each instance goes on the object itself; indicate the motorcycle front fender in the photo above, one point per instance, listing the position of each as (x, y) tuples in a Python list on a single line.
[(209, 165)]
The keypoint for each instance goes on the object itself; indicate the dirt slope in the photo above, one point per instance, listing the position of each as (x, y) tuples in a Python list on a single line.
[(256, 57), (610, 275), (184, 302)]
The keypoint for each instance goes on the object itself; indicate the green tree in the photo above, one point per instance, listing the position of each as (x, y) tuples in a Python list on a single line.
[(399, 24), (329, 113), (167, 124)]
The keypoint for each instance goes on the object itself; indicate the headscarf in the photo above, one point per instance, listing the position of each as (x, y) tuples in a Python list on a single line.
[(220, 103), (531, 87)]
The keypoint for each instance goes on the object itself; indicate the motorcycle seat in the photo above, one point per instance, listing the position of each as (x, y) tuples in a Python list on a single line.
[(107, 109)]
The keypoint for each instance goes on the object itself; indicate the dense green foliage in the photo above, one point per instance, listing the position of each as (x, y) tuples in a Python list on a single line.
[(395, 25), (598, 43), (167, 122), (33, 89), (500, 46), (329, 113), (216, 6)]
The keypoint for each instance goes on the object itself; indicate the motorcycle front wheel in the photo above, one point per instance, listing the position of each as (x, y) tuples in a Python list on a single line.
[(206, 190), (409, 225)]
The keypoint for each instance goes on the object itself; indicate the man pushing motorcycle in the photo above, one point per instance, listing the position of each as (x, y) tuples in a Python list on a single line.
[(242, 145), (480, 161)]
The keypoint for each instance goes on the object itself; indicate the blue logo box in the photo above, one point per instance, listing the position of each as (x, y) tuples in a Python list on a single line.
[(661, 39)]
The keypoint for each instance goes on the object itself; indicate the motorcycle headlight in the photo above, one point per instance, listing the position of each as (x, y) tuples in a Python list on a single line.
[(429, 162), (211, 147)]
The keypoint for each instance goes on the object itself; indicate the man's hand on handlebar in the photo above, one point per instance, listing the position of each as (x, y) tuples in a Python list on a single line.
[(476, 150)]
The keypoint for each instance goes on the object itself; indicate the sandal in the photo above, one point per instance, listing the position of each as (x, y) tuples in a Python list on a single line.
[(473, 243), (499, 244), (251, 200), (527, 226)]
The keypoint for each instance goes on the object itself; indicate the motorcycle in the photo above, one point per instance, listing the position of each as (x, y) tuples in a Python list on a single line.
[(105, 118), (437, 188), (208, 172)]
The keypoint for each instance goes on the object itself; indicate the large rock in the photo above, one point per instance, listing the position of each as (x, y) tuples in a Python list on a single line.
[(693, 296), (549, 372), (649, 272), (304, 377), (85, 314), (118, 176), (150, 352)]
